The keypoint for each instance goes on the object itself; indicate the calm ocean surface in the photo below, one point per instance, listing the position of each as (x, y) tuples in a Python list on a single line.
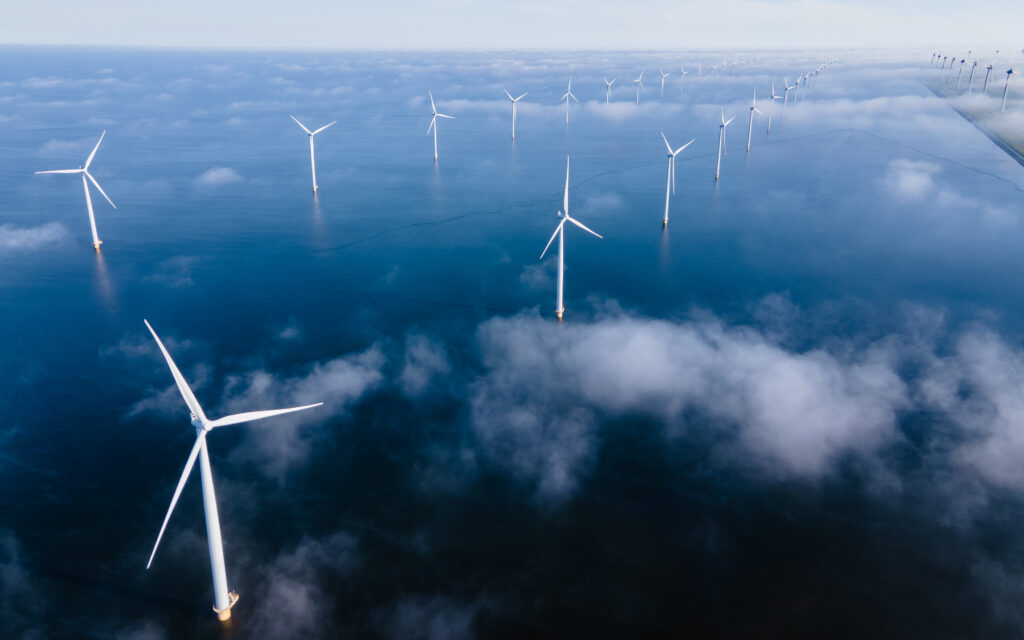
[(480, 470)]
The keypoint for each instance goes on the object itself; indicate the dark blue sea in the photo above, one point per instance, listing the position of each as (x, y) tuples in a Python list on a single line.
[(797, 411)]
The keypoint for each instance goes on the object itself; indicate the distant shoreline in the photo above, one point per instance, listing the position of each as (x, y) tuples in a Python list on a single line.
[(1015, 149)]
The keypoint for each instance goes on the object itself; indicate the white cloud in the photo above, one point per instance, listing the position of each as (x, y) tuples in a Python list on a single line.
[(424, 359), (218, 176), (13, 238), (911, 179)]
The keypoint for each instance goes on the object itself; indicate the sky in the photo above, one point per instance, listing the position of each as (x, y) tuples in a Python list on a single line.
[(495, 24)]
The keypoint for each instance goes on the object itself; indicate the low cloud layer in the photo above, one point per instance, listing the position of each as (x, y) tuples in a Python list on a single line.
[(14, 238), (218, 176)]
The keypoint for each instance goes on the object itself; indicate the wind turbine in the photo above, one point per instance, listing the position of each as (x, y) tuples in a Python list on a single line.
[(772, 108), (988, 72), (639, 85), (1009, 72), (223, 599), (721, 142), (750, 127), (699, 69), (960, 72), (312, 158), (970, 80), (514, 101), (566, 97), (670, 184), (663, 76), (433, 122), (560, 232), (682, 78), (84, 170), (608, 89), (788, 88)]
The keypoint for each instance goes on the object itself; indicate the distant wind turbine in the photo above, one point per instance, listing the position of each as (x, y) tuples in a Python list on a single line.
[(312, 157), (515, 101), (960, 72), (774, 98), (84, 170), (988, 72), (663, 76), (560, 232), (682, 78), (433, 121), (223, 599), (1009, 72), (608, 90), (639, 85), (670, 184), (721, 142), (750, 126), (970, 80), (568, 95), (788, 88)]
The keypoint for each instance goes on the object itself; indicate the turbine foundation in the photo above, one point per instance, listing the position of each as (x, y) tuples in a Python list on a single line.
[(225, 614), (558, 314)]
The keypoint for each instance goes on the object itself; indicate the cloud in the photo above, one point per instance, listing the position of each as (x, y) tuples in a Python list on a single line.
[(21, 599), (910, 179), (143, 631), (338, 383), (13, 238), (218, 176), (292, 601), (429, 618), (790, 414), (424, 359), (174, 272)]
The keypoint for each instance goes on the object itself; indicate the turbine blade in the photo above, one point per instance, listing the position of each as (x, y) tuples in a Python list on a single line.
[(521, 97), (432, 121), (441, 115), (94, 150), (256, 415), (322, 128), (183, 387), (667, 145), (177, 492), (583, 226), (97, 185), (728, 121), (301, 125), (509, 95), (565, 198), (548, 245), (432, 107), (676, 152), (573, 97), (62, 171)]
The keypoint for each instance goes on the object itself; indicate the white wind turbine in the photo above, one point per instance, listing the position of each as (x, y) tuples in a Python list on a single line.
[(608, 90), (312, 157), (560, 232), (223, 599), (970, 80), (774, 98), (567, 96), (682, 78), (788, 88), (753, 110), (721, 142), (433, 122), (1009, 72), (639, 85), (84, 170), (988, 73), (663, 76), (514, 102), (670, 184)]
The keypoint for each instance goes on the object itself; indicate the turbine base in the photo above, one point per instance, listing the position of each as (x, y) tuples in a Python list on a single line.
[(96, 245), (225, 614), (664, 223), (558, 314)]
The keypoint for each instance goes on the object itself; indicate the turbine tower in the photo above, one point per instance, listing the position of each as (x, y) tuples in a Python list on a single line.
[(988, 73), (970, 80), (223, 599), (1009, 72), (670, 184), (514, 102), (567, 96), (771, 109), (312, 157), (433, 122), (750, 126), (721, 142), (663, 76), (682, 78), (560, 232), (639, 85), (608, 90), (84, 170)]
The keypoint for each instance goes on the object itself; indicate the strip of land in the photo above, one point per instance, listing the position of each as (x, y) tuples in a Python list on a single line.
[(980, 118)]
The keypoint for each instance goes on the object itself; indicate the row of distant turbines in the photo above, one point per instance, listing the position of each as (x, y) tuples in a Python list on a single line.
[(225, 599), (940, 60)]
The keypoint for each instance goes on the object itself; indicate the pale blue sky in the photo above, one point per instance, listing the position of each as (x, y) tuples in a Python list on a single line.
[(532, 24)]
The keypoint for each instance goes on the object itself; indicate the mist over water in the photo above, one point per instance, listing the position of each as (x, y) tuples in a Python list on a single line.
[(795, 411)]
